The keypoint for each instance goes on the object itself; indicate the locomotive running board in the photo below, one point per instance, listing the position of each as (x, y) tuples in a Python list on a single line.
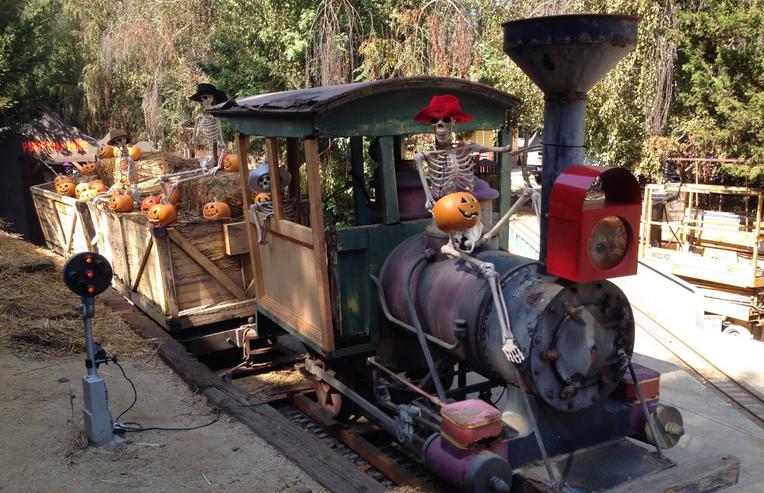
[(623, 466)]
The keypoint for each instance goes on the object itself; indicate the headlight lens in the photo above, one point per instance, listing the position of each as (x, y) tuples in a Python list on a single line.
[(608, 242)]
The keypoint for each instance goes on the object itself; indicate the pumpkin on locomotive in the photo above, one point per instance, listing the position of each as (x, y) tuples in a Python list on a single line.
[(404, 334)]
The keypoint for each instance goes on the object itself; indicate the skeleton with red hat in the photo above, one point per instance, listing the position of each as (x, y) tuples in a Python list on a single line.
[(450, 166)]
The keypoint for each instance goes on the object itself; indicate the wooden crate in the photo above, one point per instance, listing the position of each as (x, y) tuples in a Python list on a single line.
[(179, 275), (65, 221)]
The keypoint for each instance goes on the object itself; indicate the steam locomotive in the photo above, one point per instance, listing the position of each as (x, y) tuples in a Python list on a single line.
[(410, 337)]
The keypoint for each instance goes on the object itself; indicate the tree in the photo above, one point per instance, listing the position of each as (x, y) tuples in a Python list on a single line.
[(39, 62)]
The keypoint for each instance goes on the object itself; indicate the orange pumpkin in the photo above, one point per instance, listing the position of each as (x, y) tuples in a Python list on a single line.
[(174, 197), (121, 203), (262, 198), (135, 153), (105, 151), (66, 187), (98, 185), (88, 169), (147, 202), (231, 163), (80, 190), (216, 210), (59, 178), (162, 214), (456, 212)]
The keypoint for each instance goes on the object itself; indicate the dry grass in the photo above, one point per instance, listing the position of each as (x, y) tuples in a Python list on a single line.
[(194, 194), (38, 313), (225, 187), (151, 166)]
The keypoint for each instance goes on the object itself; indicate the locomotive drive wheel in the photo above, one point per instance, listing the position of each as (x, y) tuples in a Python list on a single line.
[(331, 401)]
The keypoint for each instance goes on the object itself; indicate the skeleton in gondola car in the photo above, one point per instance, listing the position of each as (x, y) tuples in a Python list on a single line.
[(450, 165), (207, 132), (128, 174), (260, 186)]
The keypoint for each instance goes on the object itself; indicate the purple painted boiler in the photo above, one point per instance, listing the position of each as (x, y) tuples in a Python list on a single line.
[(576, 337)]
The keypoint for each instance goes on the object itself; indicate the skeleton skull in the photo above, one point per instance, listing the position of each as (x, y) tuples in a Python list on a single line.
[(443, 128), (265, 182), (207, 101), (120, 141)]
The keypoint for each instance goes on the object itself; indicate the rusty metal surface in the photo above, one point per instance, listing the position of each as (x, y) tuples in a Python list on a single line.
[(589, 327), (318, 99)]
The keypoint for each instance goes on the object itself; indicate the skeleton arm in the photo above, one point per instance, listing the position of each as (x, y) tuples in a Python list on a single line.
[(526, 194), (488, 270), (430, 202)]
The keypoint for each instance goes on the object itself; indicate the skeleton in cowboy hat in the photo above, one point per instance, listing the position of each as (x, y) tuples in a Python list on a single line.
[(259, 182), (450, 166), (207, 131), (128, 174)]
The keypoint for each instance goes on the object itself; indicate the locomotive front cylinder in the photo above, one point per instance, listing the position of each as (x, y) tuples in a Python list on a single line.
[(577, 337)]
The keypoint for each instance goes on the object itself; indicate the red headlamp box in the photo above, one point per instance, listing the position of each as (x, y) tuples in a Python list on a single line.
[(593, 232)]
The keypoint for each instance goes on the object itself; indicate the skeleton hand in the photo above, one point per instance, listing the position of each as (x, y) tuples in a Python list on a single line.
[(429, 204), (512, 352)]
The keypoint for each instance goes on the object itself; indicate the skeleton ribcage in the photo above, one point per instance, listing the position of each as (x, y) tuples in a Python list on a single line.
[(289, 208), (450, 170), (209, 129)]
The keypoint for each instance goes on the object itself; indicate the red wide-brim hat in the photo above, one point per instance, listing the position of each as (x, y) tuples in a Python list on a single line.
[(441, 107)]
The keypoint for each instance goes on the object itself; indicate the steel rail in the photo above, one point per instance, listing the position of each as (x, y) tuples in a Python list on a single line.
[(748, 401)]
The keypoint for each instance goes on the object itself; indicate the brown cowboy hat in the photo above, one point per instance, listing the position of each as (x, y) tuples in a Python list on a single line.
[(114, 134), (202, 89), (445, 105)]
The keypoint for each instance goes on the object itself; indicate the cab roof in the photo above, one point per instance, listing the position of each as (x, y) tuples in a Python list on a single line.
[(372, 108)]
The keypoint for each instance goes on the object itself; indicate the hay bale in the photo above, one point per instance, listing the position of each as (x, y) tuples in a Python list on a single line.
[(38, 313), (150, 167), (224, 186)]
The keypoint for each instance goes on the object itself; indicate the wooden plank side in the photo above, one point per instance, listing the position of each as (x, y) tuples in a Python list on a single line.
[(242, 143), (206, 263), (165, 272), (281, 257), (235, 238), (319, 243)]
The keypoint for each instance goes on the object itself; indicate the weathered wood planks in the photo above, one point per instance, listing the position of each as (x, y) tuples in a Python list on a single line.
[(65, 221), (180, 275)]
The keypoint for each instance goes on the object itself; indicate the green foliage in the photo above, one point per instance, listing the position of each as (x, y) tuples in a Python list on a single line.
[(696, 76), (39, 62), (720, 104)]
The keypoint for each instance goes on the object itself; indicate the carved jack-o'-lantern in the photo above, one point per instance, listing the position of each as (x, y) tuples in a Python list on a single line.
[(135, 153), (88, 169), (105, 151), (66, 187), (262, 198), (231, 163), (121, 203), (162, 214), (456, 212), (216, 210), (98, 185), (59, 178), (80, 190), (149, 201)]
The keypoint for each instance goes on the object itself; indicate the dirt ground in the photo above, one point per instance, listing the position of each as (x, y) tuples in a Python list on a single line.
[(42, 438)]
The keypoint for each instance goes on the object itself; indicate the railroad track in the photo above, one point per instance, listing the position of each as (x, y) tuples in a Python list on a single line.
[(363, 444), (740, 394)]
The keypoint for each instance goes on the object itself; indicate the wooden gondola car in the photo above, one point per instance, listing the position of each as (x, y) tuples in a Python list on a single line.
[(313, 279)]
